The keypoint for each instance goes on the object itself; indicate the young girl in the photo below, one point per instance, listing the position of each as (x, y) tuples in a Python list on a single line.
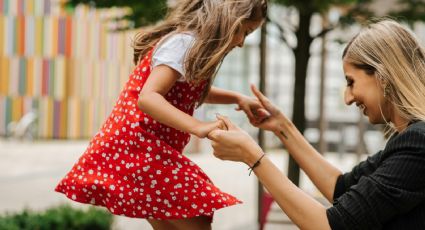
[(134, 166)]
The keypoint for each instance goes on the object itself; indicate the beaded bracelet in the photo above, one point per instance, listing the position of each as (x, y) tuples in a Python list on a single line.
[(257, 163)]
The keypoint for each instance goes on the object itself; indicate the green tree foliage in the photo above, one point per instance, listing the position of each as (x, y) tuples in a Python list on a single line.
[(143, 12), (410, 11)]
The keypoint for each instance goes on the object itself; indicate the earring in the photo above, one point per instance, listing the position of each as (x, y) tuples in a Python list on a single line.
[(386, 90)]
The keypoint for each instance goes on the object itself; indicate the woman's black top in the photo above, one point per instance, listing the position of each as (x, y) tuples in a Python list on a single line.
[(386, 191)]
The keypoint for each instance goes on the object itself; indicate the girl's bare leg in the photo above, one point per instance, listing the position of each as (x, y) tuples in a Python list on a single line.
[(195, 223), (161, 224)]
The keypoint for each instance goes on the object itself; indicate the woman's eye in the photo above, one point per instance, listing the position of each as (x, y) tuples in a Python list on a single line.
[(349, 82)]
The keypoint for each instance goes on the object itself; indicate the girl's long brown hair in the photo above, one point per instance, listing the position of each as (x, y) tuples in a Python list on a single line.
[(214, 24)]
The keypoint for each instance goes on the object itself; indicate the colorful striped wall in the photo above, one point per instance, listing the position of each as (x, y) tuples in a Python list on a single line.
[(65, 66)]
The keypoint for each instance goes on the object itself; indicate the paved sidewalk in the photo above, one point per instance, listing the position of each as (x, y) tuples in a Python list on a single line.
[(29, 172)]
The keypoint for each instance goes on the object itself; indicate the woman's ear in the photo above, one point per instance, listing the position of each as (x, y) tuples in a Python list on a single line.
[(385, 85), (381, 80)]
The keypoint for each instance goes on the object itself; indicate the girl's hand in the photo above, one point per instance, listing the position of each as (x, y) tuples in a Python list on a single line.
[(252, 108), (234, 144), (202, 129), (274, 117)]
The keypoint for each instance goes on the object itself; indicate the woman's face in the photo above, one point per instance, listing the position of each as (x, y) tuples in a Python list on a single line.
[(366, 92)]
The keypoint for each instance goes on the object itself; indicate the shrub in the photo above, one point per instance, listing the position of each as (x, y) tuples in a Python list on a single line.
[(63, 217)]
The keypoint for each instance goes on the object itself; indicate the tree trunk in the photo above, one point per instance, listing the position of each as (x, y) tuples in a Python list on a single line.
[(322, 114), (261, 139), (302, 55)]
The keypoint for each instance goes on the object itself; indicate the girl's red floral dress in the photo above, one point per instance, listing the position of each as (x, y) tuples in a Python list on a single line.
[(134, 166)]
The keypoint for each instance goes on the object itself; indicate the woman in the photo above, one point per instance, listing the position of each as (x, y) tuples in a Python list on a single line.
[(384, 67)]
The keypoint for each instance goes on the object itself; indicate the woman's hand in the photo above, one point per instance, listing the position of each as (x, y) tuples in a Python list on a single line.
[(274, 117), (252, 108), (234, 144), (202, 129)]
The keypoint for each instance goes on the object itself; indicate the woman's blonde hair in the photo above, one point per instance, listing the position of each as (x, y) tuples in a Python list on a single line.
[(214, 24), (393, 54)]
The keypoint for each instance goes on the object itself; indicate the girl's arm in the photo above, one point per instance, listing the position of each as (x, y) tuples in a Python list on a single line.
[(323, 174), (152, 102), (237, 145), (222, 96), (250, 105)]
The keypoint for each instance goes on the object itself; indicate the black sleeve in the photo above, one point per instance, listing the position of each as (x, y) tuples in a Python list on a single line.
[(364, 168), (394, 188)]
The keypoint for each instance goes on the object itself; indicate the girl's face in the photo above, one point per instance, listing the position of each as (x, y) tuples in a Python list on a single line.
[(246, 28), (366, 91)]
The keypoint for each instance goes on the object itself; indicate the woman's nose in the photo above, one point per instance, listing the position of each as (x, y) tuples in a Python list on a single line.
[(348, 96)]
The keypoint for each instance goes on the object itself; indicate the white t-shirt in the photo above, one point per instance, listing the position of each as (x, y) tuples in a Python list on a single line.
[(171, 51)]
